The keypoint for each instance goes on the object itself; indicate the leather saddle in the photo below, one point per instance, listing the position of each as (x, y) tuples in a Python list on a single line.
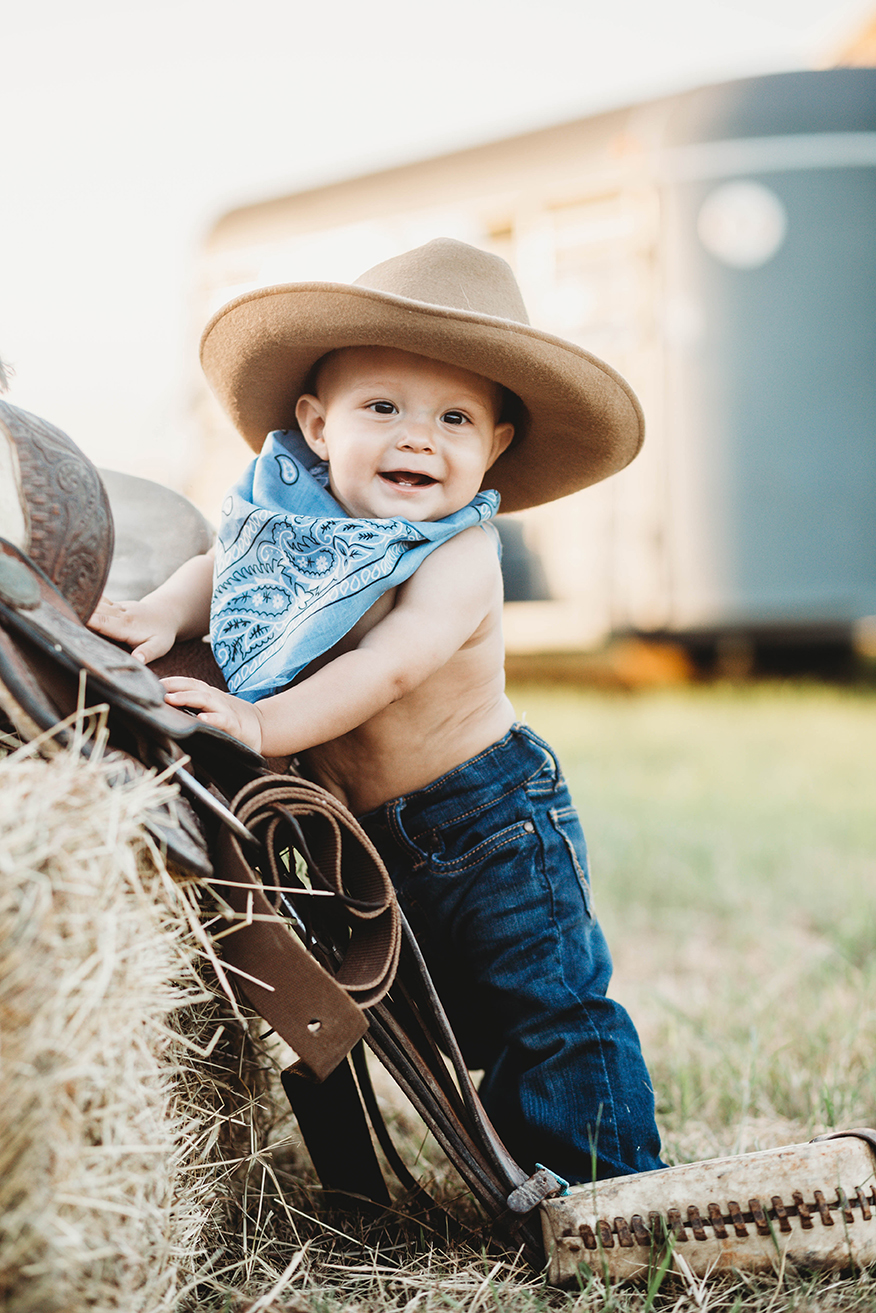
[(308, 927)]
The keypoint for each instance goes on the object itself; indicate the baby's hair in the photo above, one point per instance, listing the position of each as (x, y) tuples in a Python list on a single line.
[(6, 372), (513, 411), (310, 386)]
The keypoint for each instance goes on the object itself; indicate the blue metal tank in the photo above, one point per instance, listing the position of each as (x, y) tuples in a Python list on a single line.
[(769, 266)]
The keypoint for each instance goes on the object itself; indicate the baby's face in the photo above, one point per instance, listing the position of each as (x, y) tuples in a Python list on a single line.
[(403, 436)]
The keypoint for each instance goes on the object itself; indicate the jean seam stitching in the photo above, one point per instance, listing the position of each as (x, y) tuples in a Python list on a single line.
[(588, 1021), (477, 855), (459, 817), (554, 813), (403, 840), (525, 785)]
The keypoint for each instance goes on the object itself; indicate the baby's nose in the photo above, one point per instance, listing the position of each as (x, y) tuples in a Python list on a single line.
[(418, 435)]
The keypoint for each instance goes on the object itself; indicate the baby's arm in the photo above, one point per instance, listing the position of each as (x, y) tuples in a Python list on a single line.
[(178, 608), (436, 611)]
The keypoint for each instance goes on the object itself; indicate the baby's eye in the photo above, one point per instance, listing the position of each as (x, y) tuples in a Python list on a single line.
[(454, 417), (382, 407)]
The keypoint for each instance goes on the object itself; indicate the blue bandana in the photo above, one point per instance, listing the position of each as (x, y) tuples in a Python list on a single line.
[(294, 574)]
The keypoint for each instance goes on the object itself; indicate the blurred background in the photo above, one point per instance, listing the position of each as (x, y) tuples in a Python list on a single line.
[(687, 190)]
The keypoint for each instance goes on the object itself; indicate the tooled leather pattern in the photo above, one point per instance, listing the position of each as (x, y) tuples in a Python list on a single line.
[(70, 527)]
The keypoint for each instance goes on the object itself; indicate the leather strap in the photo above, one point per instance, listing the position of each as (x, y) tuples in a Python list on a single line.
[(21, 695), (331, 1118), (281, 979), (311, 985), (345, 873), (32, 609)]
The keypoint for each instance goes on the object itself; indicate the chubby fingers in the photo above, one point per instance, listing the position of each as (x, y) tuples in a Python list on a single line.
[(180, 691), (109, 618), (149, 651), (222, 710), (129, 623)]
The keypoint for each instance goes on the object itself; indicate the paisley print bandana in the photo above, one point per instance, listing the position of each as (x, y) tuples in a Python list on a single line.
[(294, 574)]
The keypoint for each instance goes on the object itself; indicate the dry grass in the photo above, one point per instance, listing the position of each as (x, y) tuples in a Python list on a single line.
[(123, 1069)]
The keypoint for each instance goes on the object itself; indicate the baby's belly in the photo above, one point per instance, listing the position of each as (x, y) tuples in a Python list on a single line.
[(402, 750)]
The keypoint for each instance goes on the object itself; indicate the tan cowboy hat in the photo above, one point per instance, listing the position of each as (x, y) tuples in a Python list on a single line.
[(450, 302)]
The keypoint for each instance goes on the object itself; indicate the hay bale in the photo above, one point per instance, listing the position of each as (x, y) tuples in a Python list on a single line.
[(125, 1107)]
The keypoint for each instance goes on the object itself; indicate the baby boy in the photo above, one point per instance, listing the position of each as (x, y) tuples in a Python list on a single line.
[(356, 614)]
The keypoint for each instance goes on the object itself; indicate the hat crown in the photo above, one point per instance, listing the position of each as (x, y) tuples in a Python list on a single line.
[(453, 275)]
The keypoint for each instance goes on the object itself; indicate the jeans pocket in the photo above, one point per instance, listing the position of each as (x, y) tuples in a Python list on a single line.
[(567, 824), (454, 852)]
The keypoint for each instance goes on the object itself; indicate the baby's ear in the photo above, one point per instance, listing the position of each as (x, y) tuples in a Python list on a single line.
[(502, 439), (310, 414)]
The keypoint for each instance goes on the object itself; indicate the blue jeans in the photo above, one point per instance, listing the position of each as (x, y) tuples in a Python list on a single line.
[(490, 866)]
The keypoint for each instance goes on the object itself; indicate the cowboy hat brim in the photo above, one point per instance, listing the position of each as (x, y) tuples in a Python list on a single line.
[(585, 421)]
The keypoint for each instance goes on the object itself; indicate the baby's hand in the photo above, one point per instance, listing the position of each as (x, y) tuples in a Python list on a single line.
[(221, 710), (146, 629)]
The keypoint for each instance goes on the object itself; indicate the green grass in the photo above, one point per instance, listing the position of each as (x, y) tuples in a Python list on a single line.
[(732, 833)]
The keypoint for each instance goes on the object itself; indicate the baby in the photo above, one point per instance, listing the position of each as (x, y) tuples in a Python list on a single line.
[(356, 614)]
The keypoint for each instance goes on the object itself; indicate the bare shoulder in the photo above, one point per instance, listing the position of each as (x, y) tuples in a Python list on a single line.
[(468, 559)]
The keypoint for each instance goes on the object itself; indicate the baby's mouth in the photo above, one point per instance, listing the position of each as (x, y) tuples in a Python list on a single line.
[(408, 478)]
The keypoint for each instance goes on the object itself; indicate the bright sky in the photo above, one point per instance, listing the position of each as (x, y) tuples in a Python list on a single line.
[(129, 127)]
